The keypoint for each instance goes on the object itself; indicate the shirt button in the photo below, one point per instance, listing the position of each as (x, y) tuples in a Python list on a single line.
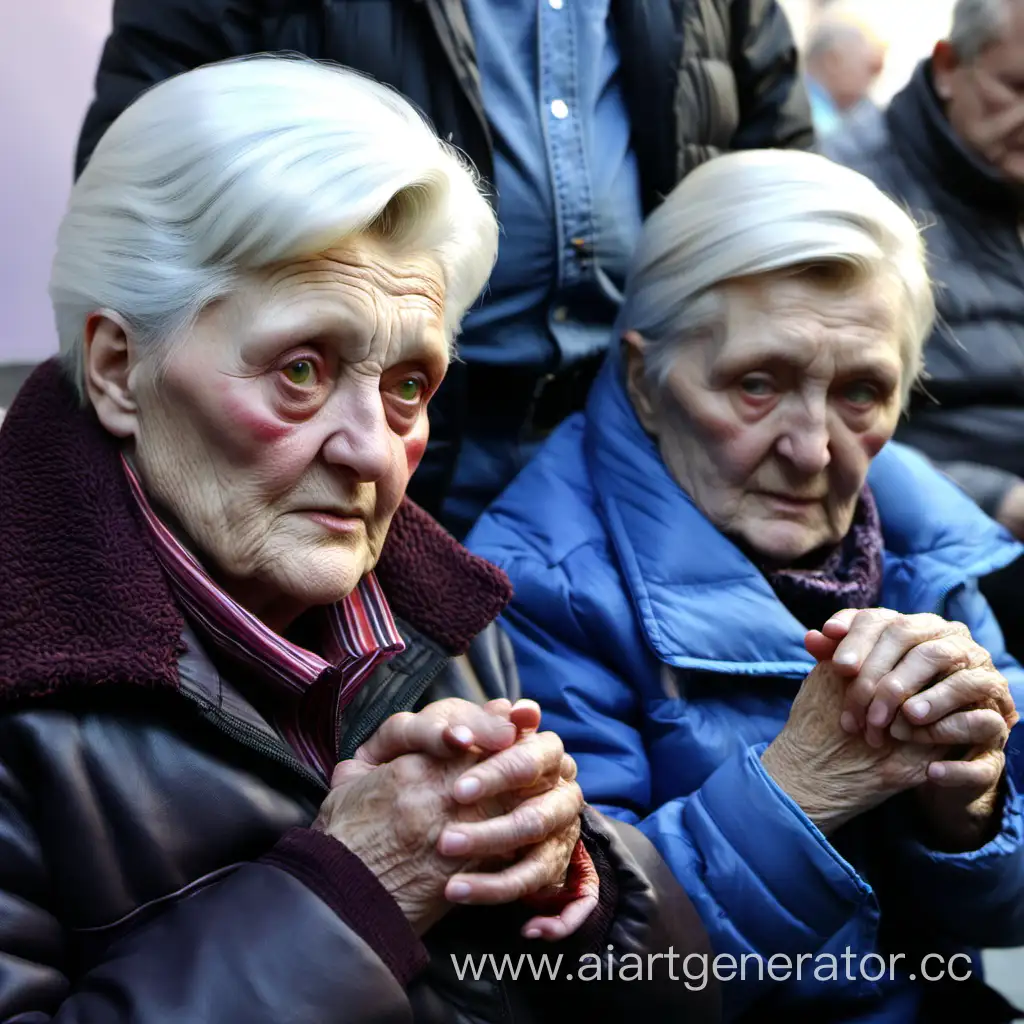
[(560, 314), (556, 5), (559, 109)]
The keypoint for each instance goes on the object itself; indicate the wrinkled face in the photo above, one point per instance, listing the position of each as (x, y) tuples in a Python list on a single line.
[(770, 424), (282, 433), (985, 99)]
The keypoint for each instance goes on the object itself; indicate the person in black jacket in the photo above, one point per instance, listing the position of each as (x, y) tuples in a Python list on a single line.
[(581, 115), (950, 147)]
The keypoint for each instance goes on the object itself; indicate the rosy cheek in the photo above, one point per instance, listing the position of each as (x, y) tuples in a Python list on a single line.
[(873, 441), (414, 449), (249, 418)]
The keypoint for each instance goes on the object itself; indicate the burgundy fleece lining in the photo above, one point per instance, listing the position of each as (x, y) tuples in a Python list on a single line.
[(84, 600), (335, 874)]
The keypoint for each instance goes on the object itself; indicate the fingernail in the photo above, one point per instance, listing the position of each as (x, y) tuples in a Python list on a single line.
[(936, 771), (458, 891), (900, 730), (878, 714), (466, 789), (454, 843), (845, 658), (918, 708), (463, 734), (848, 721), (531, 933)]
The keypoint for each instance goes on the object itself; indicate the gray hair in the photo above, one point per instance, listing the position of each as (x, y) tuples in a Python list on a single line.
[(236, 166), (834, 33), (976, 25), (765, 211)]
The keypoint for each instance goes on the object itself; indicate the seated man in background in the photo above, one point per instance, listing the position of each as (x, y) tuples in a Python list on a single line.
[(580, 115), (729, 591), (950, 148), (843, 59)]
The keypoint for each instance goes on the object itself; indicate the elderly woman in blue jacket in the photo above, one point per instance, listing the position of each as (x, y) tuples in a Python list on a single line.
[(756, 623)]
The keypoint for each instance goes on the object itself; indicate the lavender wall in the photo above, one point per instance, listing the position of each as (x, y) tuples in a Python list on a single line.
[(48, 55)]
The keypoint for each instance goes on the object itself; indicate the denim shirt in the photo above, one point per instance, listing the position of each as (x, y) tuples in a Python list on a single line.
[(566, 177)]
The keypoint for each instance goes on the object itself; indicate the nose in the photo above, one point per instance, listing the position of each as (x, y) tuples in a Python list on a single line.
[(805, 440), (360, 438)]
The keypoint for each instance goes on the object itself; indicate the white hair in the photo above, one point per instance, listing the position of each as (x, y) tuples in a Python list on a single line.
[(765, 211), (976, 25), (236, 166), (834, 33)]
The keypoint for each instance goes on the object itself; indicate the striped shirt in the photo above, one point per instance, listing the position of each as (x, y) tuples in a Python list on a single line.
[(305, 693)]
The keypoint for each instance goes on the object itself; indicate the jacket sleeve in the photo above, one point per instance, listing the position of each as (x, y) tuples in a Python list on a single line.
[(982, 890), (775, 112), (777, 888), (149, 42), (266, 941)]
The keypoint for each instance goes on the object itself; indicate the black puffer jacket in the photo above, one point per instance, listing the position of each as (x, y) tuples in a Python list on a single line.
[(970, 420), (699, 76), (156, 859)]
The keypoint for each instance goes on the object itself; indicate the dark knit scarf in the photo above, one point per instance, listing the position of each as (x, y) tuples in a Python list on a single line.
[(847, 576)]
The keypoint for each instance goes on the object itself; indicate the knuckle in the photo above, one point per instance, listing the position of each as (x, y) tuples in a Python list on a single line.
[(946, 652), (533, 823), (892, 688)]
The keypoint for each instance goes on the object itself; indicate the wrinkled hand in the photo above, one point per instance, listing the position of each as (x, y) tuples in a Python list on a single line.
[(537, 781), (1011, 511), (832, 774), (527, 799), (390, 816), (925, 680)]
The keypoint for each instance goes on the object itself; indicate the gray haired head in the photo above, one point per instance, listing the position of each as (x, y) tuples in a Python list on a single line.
[(232, 167), (977, 24), (766, 211)]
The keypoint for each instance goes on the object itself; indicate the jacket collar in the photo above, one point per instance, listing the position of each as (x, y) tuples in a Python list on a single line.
[(84, 600), (697, 595), (920, 129)]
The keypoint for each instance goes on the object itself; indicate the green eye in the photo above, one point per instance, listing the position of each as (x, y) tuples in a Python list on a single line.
[(861, 393), (409, 390), (300, 372)]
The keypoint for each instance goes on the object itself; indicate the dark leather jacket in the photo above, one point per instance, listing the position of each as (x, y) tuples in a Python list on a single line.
[(152, 860)]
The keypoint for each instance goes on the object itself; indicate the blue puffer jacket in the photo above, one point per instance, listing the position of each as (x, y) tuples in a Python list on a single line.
[(665, 661)]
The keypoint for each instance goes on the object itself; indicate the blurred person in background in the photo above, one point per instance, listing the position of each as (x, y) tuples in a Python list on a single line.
[(730, 589), (580, 114), (844, 57), (950, 148)]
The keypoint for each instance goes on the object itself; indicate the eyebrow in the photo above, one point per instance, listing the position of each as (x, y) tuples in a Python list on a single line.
[(782, 354)]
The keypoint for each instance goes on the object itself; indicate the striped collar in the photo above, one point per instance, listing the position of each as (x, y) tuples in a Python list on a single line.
[(354, 635)]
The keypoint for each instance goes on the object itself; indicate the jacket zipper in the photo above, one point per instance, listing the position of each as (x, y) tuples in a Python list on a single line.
[(252, 738), (408, 694)]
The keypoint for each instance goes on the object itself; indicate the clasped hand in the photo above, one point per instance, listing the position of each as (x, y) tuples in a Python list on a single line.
[(461, 803), (897, 702)]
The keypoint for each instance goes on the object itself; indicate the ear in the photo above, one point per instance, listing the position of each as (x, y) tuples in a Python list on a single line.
[(944, 65), (109, 360), (638, 387)]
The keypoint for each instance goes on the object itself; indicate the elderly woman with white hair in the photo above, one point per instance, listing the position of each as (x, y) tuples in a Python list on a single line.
[(756, 624), (245, 773)]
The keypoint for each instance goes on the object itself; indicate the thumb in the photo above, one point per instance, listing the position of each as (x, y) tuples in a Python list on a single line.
[(819, 646), (347, 772)]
